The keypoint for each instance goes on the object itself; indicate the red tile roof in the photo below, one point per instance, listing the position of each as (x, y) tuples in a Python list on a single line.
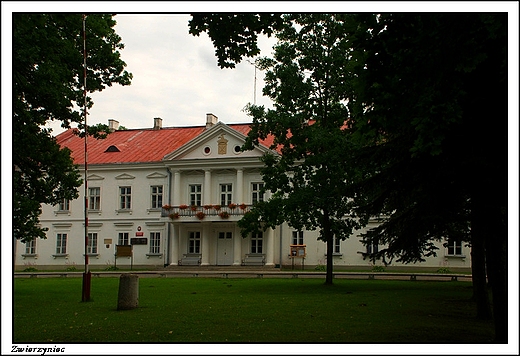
[(136, 145)]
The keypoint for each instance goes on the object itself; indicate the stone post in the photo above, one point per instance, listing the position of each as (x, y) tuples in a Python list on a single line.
[(128, 297)]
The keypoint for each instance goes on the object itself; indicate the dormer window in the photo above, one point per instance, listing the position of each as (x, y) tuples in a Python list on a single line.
[(112, 149)]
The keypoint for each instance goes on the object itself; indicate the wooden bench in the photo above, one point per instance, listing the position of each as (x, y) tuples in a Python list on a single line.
[(190, 260), (254, 260)]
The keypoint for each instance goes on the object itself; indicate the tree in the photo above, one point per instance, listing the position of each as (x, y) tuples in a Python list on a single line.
[(48, 85), (308, 82), (234, 35), (425, 88)]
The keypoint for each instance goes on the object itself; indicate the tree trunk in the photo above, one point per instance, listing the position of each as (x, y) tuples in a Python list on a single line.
[(488, 210), (329, 238), (496, 257), (478, 268)]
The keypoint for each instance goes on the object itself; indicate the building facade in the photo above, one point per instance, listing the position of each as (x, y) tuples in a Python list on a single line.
[(172, 196)]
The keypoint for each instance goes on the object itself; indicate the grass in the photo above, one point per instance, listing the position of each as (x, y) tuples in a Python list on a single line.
[(217, 310)]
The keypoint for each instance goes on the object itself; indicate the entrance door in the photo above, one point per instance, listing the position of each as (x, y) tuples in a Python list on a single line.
[(225, 248)]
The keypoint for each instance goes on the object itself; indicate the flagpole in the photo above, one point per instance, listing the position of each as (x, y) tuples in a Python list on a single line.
[(86, 275)]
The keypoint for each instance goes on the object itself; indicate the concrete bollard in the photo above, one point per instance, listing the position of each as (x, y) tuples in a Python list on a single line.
[(128, 297)]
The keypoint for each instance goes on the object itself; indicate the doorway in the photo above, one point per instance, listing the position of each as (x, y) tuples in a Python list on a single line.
[(225, 248)]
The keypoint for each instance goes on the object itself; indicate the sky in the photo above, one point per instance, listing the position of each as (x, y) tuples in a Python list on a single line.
[(175, 74), (175, 77)]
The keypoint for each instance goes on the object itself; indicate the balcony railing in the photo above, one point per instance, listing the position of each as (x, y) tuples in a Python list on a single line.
[(201, 212)]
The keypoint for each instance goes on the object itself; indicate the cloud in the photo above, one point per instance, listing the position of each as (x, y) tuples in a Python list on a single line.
[(176, 77)]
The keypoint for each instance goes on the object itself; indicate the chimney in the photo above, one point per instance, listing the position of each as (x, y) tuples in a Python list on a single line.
[(211, 120), (113, 125), (157, 123)]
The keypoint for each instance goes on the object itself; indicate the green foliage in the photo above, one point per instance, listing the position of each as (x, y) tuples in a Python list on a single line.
[(427, 105), (320, 268), (308, 81), (30, 269), (412, 114), (48, 85), (443, 270), (71, 267), (234, 35), (112, 268), (378, 269)]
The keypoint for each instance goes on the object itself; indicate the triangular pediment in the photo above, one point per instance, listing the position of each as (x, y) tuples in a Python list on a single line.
[(156, 175), (94, 177), (220, 141), (125, 176)]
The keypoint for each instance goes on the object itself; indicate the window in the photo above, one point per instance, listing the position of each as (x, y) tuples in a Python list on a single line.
[(195, 194), (256, 192), (61, 244), (155, 242), (123, 238), (225, 235), (157, 196), (454, 247), (194, 242), (372, 248), (94, 202), (64, 205), (30, 247), (92, 243), (125, 197), (337, 245), (256, 242), (226, 194), (297, 237)]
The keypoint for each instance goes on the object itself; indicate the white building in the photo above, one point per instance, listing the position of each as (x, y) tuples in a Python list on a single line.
[(133, 174)]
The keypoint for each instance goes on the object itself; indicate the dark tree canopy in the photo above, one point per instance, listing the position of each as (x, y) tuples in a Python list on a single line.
[(48, 85), (428, 111), (408, 112), (232, 45)]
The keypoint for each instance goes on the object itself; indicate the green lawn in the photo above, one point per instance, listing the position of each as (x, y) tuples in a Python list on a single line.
[(248, 310)]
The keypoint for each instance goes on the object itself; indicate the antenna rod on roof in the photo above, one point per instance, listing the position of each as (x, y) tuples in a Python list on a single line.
[(85, 296), (254, 90)]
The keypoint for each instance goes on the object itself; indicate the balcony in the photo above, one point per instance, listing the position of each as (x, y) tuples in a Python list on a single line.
[(181, 213)]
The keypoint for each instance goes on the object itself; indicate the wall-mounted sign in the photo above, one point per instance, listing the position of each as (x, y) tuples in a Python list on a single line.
[(139, 233), (139, 241), (298, 251), (124, 250)]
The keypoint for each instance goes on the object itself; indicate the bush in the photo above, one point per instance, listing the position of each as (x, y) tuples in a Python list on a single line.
[(320, 268), (443, 270), (30, 269), (111, 268), (378, 269)]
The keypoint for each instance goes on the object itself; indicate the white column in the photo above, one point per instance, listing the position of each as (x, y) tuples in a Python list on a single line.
[(239, 197), (207, 187), (205, 236), (269, 247), (176, 188), (175, 246), (237, 247)]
